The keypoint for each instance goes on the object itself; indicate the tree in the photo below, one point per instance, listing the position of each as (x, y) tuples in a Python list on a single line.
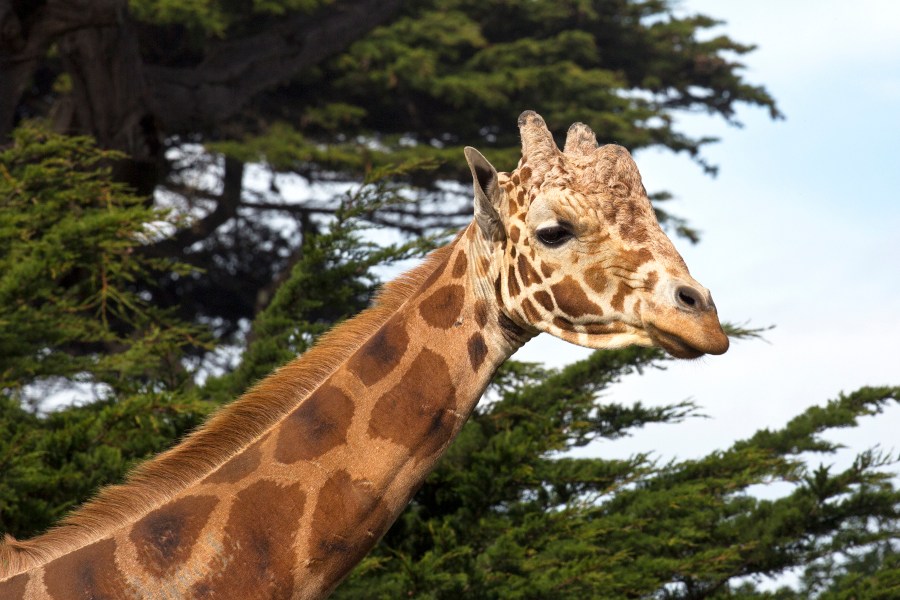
[(323, 91), (72, 317), (506, 514)]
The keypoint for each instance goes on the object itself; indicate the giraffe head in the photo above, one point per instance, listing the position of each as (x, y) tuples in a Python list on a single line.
[(576, 250)]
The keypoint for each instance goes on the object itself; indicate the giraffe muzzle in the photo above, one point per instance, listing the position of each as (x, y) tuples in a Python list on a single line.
[(685, 323)]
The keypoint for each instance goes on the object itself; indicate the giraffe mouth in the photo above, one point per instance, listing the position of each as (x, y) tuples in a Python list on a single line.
[(602, 335), (673, 344)]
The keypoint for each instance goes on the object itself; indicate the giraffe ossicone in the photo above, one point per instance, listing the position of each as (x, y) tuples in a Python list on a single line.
[(285, 490)]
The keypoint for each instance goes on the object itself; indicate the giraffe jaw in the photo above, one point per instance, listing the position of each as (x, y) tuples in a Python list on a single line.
[(604, 336), (622, 336), (617, 334), (680, 346)]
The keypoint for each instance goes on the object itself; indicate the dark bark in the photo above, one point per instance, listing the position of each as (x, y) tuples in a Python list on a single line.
[(236, 70), (129, 105), (226, 208), (28, 29), (135, 85)]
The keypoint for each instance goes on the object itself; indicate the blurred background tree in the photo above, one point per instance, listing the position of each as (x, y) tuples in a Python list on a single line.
[(261, 143), (316, 92)]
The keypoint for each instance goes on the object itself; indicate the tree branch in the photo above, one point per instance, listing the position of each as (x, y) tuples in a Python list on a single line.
[(226, 207), (234, 71), (181, 100), (27, 30)]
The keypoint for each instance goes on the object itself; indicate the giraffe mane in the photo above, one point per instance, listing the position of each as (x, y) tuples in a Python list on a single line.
[(227, 432)]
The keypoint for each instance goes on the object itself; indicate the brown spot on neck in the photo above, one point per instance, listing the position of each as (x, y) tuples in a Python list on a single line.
[(460, 265), (443, 307), (91, 570), (257, 549), (239, 466), (435, 275), (165, 537), (481, 312), (319, 424), (477, 350), (14, 587), (381, 353), (419, 412), (347, 522)]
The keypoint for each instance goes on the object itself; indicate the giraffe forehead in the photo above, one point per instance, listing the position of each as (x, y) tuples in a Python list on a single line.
[(558, 203), (618, 203)]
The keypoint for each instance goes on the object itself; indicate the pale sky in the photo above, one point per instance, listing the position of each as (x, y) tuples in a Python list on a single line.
[(801, 230)]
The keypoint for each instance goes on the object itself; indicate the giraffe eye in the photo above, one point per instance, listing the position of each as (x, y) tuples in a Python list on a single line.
[(555, 235)]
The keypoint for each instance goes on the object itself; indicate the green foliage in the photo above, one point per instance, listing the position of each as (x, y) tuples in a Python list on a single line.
[(873, 574), (451, 72), (505, 516), (69, 259), (50, 463), (511, 511), (214, 17), (331, 279), (71, 317)]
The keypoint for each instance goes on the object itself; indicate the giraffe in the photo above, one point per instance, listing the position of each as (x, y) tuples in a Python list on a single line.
[(282, 492)]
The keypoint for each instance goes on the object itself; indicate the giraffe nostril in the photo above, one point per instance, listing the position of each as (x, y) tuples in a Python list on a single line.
[(689, 298)]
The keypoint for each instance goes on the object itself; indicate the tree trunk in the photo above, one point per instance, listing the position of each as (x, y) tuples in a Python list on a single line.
[(128, 105)]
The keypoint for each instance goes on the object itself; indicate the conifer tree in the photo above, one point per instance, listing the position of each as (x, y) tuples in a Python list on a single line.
[(323, 91), (506, 515), (74, 319), (90, 297)]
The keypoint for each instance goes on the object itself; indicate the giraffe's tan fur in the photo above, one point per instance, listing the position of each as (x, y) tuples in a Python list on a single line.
[(281, 493), (228, 432)]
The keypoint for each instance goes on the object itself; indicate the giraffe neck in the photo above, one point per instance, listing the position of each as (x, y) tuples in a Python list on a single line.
[(304, 500)]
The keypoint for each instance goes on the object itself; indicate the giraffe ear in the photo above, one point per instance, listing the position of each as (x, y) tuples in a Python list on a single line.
[(487, 195)]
